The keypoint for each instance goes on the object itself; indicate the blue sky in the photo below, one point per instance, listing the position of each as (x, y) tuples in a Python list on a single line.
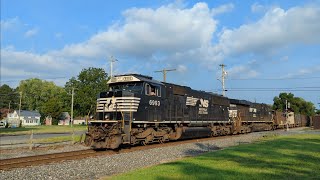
[(268, 46)]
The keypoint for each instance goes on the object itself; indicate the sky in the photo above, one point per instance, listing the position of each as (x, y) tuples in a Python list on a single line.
[(268, 47)]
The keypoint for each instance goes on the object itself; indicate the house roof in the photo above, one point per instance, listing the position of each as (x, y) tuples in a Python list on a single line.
[(64, 115), (29, 113)]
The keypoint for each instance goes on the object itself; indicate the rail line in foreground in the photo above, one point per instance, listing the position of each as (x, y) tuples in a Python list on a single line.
[(20, 162), (6, 164)]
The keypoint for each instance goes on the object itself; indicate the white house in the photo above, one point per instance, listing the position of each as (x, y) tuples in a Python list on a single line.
[(79, 120), (28, 118)]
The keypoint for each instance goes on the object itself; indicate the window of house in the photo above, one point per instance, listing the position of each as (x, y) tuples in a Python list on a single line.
[(152, 90)]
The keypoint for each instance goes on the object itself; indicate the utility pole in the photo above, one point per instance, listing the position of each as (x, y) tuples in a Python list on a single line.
[(287, 105), (223, 76), (72, 106), (164, 72), (112, 60), (9, 106), (20, 106)]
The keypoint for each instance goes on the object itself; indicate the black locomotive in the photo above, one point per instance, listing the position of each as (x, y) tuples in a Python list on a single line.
[(140, 110)]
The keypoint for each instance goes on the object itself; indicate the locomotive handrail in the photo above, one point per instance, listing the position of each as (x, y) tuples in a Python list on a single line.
[(103, 121), (122, 120)]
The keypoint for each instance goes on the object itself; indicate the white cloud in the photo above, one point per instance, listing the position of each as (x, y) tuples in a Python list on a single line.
[(146, 32), (22, 64), (303, 72), (244, 71), (277, 29), (174, 35), (9, 23), (31, 32), (58, 35), (171, 31), (222, 9), (256, 7), (17, 72), (182, 68), (284, 58)]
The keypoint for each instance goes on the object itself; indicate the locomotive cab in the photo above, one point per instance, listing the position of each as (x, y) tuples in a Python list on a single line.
[(130, 98), (137, 95)]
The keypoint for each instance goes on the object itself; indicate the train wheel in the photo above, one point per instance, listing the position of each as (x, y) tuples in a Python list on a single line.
[(214, 134), (143, 143)]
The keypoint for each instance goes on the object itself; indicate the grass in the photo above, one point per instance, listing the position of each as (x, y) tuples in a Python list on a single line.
[(284, 157), (41, 129)]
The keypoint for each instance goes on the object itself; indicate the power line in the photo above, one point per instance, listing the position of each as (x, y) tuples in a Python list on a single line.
[(310, 87), (316, 90), (288, 78), (306, 88)]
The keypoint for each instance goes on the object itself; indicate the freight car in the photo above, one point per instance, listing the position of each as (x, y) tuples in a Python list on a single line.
[(293, 120), (252, 116), (140, 110)]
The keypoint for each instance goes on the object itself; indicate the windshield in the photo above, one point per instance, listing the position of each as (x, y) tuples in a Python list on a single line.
[(132, 87)]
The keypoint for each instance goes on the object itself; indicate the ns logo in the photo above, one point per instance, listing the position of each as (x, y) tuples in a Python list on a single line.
[(204, 103), (110, 104)]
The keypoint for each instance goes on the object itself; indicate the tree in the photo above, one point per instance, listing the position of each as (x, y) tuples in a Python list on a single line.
[(297, 104), (43, 96), (54, 108), (9, 100), (35, 92), (8, 95), (87, 85)]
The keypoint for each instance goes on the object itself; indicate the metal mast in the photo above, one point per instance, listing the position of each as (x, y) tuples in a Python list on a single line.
[(112, 60), (164, 72), (71, 118), (223, 76), (20, 105)]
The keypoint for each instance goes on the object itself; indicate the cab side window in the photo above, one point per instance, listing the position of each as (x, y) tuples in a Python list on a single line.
[(152, 90)]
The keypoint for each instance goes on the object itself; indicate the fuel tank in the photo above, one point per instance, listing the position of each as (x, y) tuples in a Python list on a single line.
[(195, 132)]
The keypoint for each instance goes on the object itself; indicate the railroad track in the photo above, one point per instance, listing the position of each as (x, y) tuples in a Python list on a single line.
[(7, 164)]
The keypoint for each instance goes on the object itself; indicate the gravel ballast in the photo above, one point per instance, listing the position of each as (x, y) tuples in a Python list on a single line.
[(95, 168)]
